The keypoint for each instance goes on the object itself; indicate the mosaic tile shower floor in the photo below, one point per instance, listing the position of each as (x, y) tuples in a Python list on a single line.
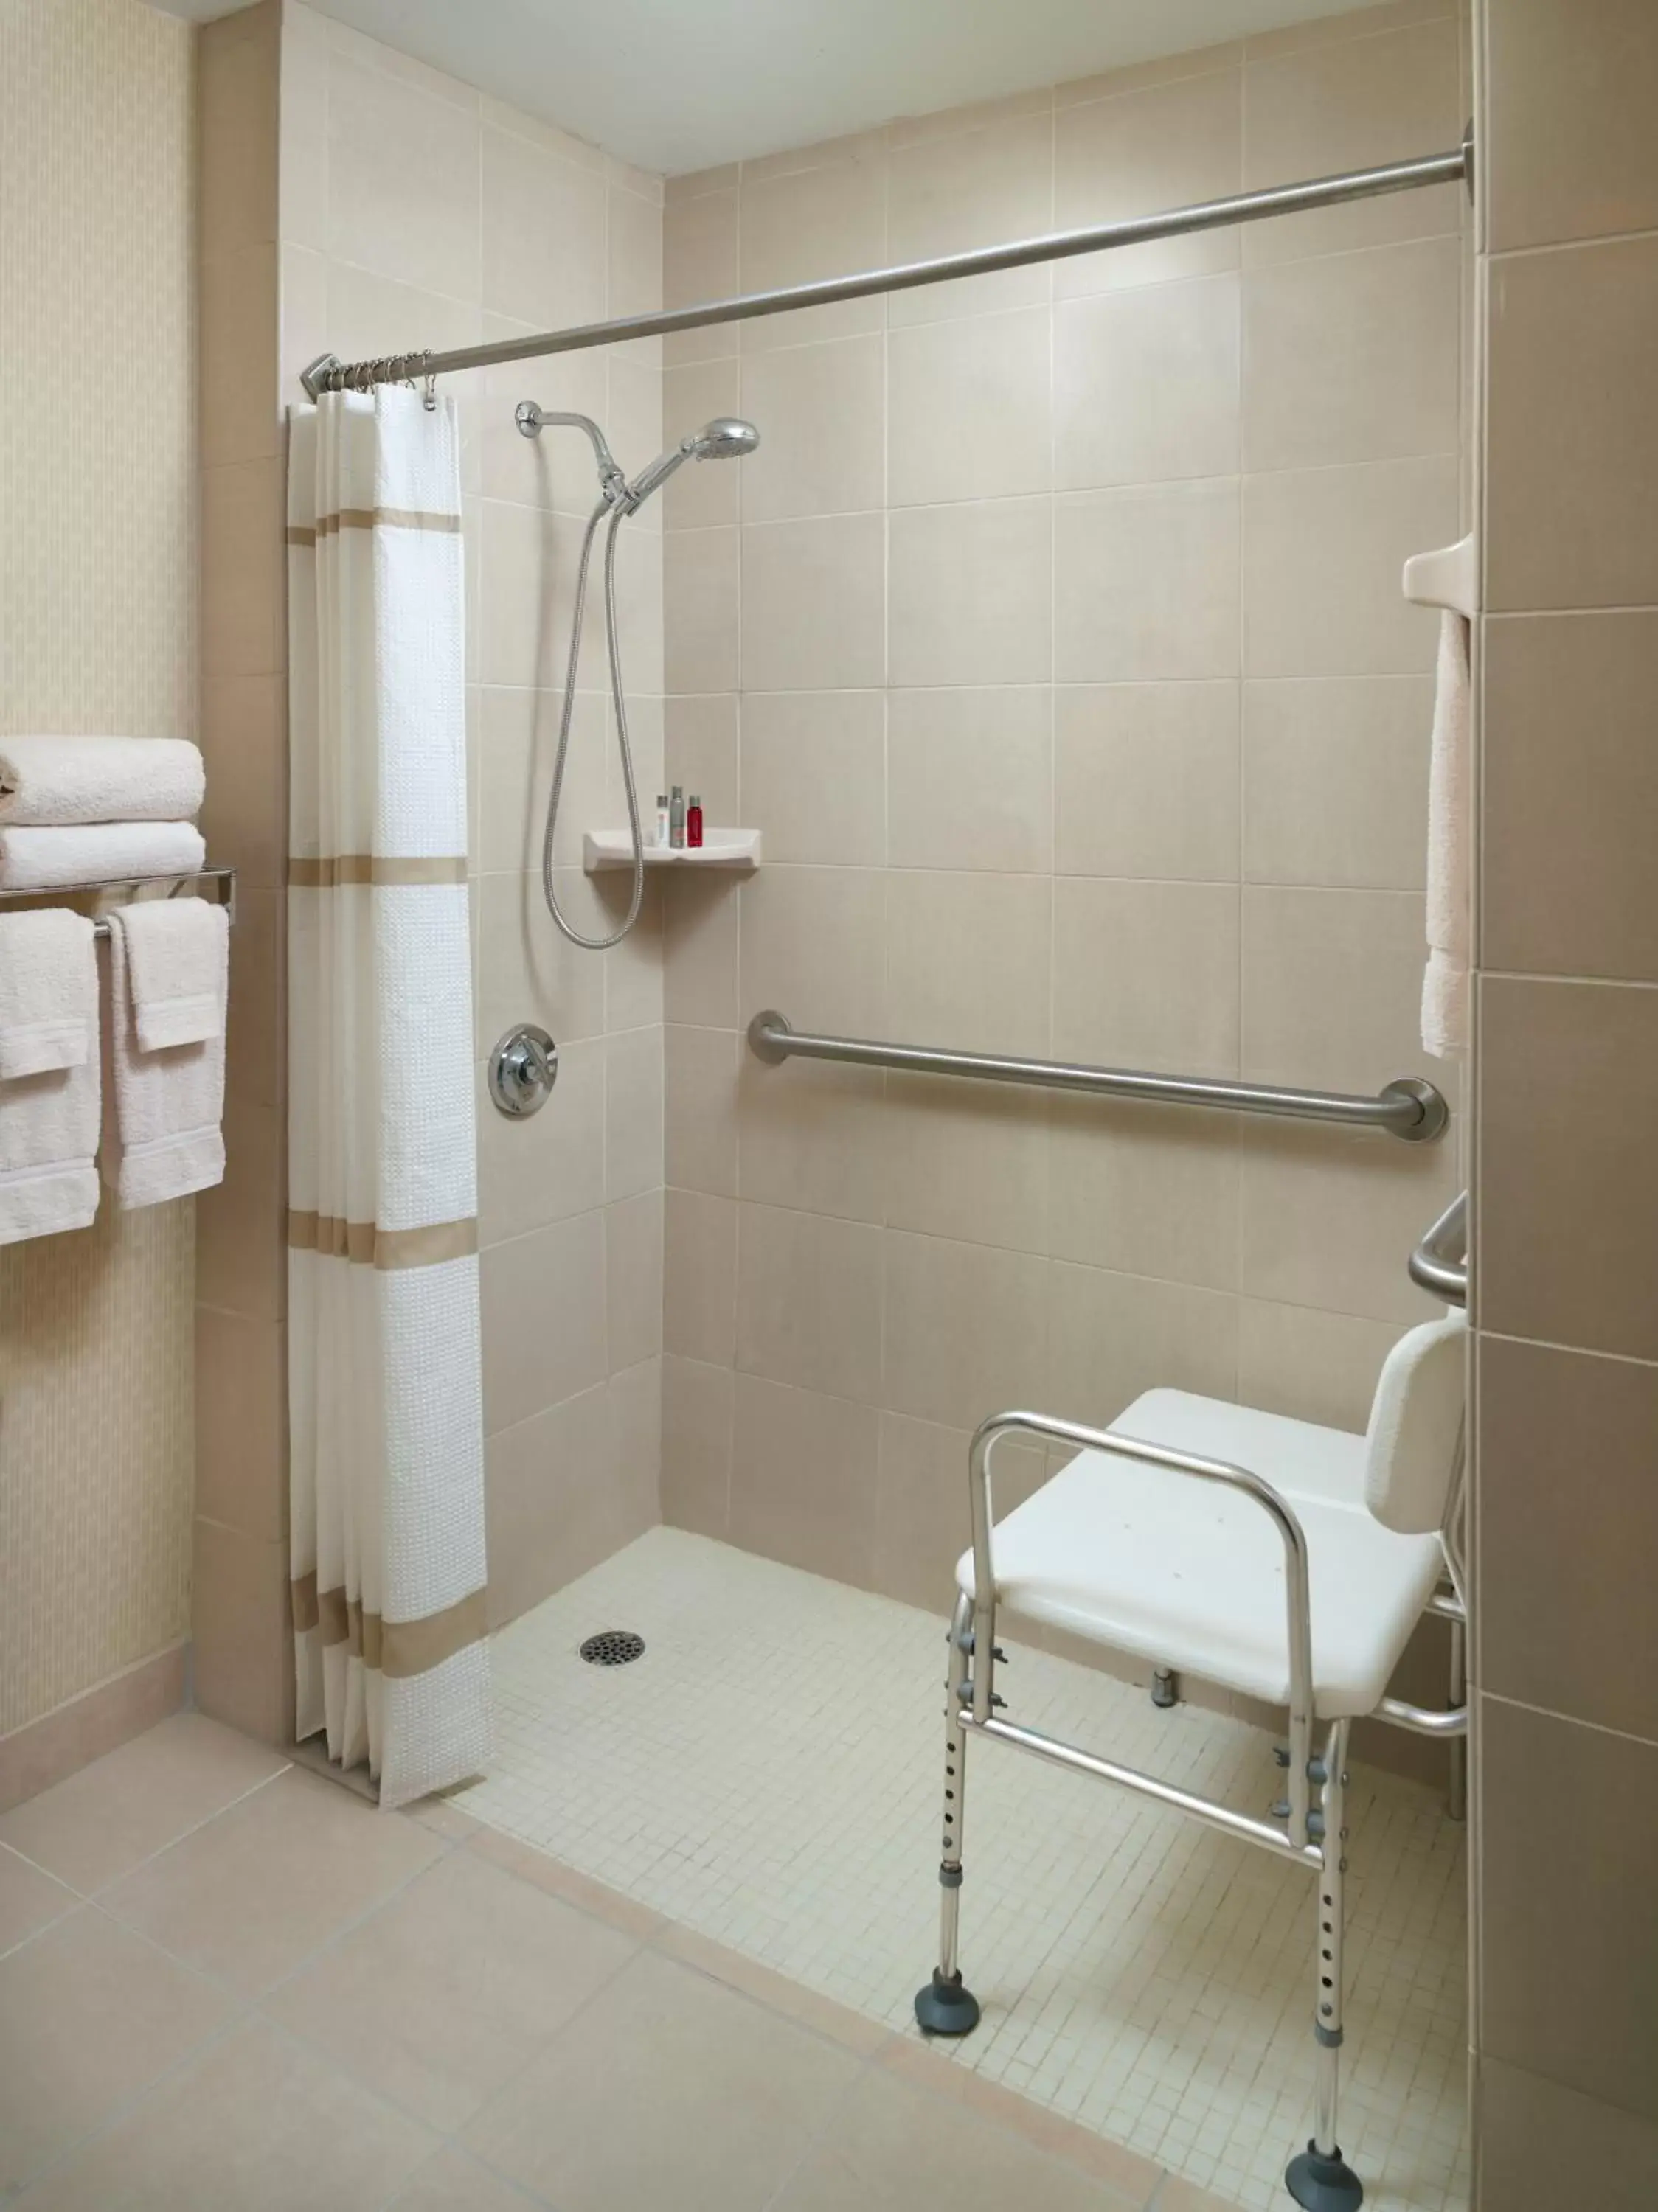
[(768, 1775)]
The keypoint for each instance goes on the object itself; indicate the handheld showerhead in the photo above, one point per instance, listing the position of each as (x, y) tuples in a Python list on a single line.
[(726, 438)]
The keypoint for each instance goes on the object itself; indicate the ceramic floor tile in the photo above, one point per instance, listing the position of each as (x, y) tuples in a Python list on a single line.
[(767, 1775), (103, 1821), (453, 2182), (90, 2015), (668, 2089), (256, 1891), (28, 1899), (446, 1993), (257, 2123)]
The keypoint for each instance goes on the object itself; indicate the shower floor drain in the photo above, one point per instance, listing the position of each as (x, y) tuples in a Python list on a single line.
[(612, 1647)]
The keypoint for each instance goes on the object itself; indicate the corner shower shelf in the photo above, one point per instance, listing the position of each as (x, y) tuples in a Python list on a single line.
[(736, 851)]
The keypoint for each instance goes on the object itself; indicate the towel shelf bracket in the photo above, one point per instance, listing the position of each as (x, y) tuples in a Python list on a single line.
[(217, 885)]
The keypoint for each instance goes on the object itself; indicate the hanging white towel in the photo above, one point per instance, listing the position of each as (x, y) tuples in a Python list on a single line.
[(44, 860), (162, 1109), (177, 957), (65, 779), (49, 1074), (1450, 932)]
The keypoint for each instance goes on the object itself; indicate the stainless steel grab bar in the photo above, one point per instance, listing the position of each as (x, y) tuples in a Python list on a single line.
[(1409, 1107), (1440, 1262)]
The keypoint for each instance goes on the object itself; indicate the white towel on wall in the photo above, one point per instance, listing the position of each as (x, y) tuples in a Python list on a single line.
[(44, 860), (178, 953), (67, 779), (1450, 929), (162, 1109), (49, 1100)]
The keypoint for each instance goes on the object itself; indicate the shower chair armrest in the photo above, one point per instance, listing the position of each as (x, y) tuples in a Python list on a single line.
[(1298, 1605)]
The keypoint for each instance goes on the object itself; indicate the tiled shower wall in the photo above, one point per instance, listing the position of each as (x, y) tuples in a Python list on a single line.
[(97, 632), (1053, 639)]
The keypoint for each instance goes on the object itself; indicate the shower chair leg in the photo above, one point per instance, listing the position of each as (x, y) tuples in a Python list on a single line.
[(1320, 2178), (945, 2007), (1456, 1787)]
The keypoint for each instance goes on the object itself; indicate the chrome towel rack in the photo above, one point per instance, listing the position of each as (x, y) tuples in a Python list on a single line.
[(1409, 1108), (217, 885)]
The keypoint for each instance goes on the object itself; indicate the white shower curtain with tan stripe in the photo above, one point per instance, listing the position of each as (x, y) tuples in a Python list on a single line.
[(385, 1390)]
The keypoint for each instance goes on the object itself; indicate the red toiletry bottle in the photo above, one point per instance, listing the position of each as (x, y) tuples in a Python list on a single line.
[(693, 821)]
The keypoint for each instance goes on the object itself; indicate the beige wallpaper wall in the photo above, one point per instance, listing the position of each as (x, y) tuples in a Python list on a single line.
[(1053, 639), (97, 632)]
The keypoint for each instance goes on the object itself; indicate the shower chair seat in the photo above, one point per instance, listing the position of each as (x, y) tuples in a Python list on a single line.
[(1278, 1560)]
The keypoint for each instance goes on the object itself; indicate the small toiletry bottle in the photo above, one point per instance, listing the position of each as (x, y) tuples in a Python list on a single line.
[(676, 818), (660, 837), (693, 821)]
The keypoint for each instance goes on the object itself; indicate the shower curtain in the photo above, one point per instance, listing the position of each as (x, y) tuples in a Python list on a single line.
[(385, 1388)]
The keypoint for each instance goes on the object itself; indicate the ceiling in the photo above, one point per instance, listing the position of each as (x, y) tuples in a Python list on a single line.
[(675, 85)]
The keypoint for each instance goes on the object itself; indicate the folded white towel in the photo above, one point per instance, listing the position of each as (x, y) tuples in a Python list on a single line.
[(49, 1074), (177, 957), (61, 780), (162, 1109), (33, 859), (1450, 932)]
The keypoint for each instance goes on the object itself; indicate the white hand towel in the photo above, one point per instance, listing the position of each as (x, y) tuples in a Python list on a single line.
[(33, 859), (1450, 932), (161, 1110), (177, 957), (49, 1102), (61, 780)]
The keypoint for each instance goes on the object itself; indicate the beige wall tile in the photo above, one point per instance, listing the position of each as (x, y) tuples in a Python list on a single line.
[(968, 959), (1568, 766), (1146, 583), (633, 256), (1111, 1336), (701, 751), (803, 1479), (970, 408), (968, 1161), (965, 1330), (553, 1165), (1568, 142), (814, 773), (543, 1310), (242, 1423), (1567, 521), (1313, 1366), (543, 1484), (694, 394), (1335, 781), (1323, 551), (1165, 146), (1569, 1095), (302, 179), (242, 555), (556, 468), (1328, 1217), (237, 102), (923, 1519), (1146, 780), (633, 1280), (698, 1416), (699, 1270), (526, 972), (1146, 385), (700, 609), (813, 946), (808, 1302), (1537, 2140), (699, 263), (1353, 356), (948, 194), (812, 1135), (404, 194), (821, 411), (240, 1259), (1568, 1952), (1332, 988), (811, 605), (1146, 1190), (1542, 1412), (701, 1109), (1145, 974), (242, 1644), (970, 593), (633, 1113), (256, 1032), (517, 747), (244, 815), (237, 306), (968, 779), (812, 224), (1351, 105), (700, 944)]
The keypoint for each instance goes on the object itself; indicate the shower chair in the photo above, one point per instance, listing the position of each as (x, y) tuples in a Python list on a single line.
[(1271, 1557)]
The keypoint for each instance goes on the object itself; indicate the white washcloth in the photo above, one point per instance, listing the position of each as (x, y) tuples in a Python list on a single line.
[(1445, 984), (61, 780), (177, 958), (97, 853), (161, 1110), (49, 1097), (45, 959)]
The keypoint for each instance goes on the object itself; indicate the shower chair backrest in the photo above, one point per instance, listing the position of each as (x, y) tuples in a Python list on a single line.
[(1416, 1428)]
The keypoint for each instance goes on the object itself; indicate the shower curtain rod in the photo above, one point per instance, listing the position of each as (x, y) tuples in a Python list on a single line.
[(329, 373)]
